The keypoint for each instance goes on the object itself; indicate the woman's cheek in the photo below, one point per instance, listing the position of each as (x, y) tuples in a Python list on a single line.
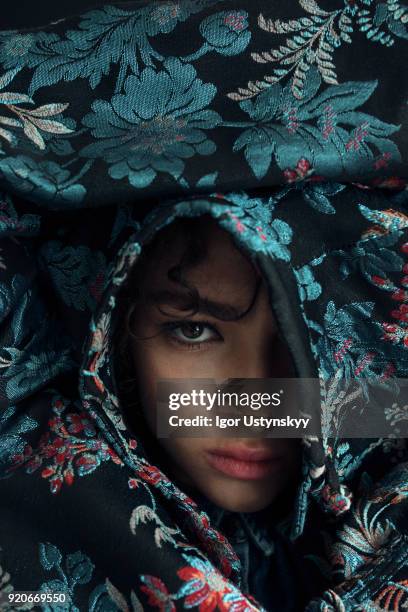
[(179, 362)]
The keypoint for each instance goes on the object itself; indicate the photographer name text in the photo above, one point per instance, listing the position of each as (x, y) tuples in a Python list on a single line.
[(200, 421)]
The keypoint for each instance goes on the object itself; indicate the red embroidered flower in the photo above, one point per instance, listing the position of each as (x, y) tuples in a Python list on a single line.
[(133, 483), (400, 295), (207, 589), (69, 447), (235, 21), (303, 169), (290, 175), (303, 165), (151, 474)]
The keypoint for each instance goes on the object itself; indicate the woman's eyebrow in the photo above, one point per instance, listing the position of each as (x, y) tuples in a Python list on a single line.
[(186, 302)]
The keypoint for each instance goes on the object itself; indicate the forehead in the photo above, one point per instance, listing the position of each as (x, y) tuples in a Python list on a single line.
[(221, 269)]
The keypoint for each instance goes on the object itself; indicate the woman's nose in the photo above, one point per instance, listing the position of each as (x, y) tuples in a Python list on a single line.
[(251, 364), (266, 360), (258, 367)]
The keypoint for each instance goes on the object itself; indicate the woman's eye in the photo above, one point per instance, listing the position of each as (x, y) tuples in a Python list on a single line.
[(194, 332)]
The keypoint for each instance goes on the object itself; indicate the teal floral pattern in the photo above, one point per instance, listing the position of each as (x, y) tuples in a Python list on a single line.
[(315, 38), (11, 223), (73, 571), (309, 289), (104, 38), (47, 179), (324, 127), (362, 335), (138, 140), (288, 125), (13, 426), (225, 33), (78, 273), (252, 222), (151, 100), (341, 272), (34, 121)]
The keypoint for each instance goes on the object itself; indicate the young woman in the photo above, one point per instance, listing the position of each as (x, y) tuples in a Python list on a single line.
[(173, 209), (197, 308), (199, 290)]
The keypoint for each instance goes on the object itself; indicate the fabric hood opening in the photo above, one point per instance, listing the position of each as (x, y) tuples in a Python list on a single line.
[(286, 126)]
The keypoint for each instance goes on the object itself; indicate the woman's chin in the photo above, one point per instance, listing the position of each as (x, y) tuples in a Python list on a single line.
[(235, 499)]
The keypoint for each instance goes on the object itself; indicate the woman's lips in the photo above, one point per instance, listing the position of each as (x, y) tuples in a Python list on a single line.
[(244, 463)]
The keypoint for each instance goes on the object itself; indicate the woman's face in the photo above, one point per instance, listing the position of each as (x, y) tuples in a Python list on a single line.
[(181, 345)]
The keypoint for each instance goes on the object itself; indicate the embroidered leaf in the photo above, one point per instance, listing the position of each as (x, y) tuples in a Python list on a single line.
[(49, 110), (7, 136), (320, 202), (7, 97), (116, 596), (311, 6), (136, 603), (141, 514), (42, 180), (343, 97), (315, 39), (34, 135), (207, 180), (7, 77), (79, 568), (10, 121), (50, 556), (259, 157), (105, 36), (324, 126)]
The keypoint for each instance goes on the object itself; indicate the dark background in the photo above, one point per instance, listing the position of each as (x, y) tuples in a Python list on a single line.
[(28, 13)]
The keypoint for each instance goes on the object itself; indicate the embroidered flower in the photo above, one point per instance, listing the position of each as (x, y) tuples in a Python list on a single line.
[(155, 125), (61, 450), (226, 32), (205, 587)]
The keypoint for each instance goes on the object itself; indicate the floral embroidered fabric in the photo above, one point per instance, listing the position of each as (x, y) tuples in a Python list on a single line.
[(287, 122)]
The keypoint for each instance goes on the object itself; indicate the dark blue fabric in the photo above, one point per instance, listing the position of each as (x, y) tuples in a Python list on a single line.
[(287, 123), (268, 566)]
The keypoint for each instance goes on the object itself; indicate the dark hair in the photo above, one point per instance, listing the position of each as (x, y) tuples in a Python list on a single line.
[(195, 252)]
